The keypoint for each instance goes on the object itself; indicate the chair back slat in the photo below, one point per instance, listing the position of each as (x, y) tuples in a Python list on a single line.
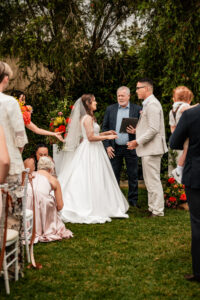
[(3, 220)]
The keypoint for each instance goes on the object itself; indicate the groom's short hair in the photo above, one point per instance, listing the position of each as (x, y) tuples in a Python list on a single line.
[(146, 80), (124, 88)]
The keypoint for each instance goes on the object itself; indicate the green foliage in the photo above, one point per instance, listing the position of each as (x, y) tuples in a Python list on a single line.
[(170, 54)]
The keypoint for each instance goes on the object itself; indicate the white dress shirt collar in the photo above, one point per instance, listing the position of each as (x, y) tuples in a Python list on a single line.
[(147, 100)]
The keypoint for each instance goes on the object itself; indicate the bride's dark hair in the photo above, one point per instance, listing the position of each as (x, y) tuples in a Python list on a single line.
[(87, 101)]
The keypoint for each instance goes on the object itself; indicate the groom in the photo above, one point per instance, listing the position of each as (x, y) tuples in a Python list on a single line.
[(150, 144), (117, 149)]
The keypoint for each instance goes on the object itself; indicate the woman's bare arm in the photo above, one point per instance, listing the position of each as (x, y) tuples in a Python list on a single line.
[(88, 124), (172, 128), (41, 131), (57, 192), (4, 157)]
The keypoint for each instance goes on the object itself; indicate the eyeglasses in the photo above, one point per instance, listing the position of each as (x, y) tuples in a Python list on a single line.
[(139, 87)]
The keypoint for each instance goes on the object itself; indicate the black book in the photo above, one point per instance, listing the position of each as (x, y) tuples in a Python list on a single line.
[(127, 122)]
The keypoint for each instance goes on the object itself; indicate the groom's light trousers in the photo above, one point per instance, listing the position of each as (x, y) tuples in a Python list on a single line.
[(151, 172)]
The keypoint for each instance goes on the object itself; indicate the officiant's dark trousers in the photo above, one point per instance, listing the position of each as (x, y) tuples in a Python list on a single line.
[(131, 161), (193, 197)]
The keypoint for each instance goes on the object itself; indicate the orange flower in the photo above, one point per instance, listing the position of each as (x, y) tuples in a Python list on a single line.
[(27, 117), (175, 186), (56, 130), (23, 108)]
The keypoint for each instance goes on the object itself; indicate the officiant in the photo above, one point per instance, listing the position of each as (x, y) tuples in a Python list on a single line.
[(117, 149)]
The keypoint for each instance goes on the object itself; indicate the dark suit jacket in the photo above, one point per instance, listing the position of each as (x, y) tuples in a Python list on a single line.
[(189, 127), (110, 120)]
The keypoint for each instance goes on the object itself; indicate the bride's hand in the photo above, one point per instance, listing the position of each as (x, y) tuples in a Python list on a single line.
[(111, 136), (111, 132), (59, 136)]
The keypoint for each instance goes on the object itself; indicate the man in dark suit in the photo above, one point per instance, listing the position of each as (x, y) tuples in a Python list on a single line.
[(117, 149), (188, 127)]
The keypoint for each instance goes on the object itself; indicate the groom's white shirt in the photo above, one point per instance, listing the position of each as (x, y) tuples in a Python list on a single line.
[(150, 131)]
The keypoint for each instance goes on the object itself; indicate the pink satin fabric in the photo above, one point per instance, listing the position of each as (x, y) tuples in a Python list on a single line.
[(49, 226)]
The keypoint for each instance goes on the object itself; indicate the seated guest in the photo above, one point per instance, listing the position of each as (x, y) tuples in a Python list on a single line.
[(32, 161), (49, 226)]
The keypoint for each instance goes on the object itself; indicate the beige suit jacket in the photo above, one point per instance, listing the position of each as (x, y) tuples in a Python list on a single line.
[(150, 131)]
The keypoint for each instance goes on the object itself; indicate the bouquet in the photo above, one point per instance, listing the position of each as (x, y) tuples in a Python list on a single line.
[(26, 110), (59, 121), (174, 193)]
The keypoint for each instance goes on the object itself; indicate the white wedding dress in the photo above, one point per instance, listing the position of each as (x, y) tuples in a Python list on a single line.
[(90, 191)]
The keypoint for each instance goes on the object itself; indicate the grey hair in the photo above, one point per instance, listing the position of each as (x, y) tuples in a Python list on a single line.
[(45, 163), (5, 70), (124, 88)]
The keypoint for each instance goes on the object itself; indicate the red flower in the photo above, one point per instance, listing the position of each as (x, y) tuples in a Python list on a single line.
[(183, 186), (27, 117), (172, 199), (62, 128), (183, 197), (171, 180), (51, 124), (65, 135), (68, 120), (72, 107)]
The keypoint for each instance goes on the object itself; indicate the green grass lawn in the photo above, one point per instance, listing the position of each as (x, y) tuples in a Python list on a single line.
[(135, 258)]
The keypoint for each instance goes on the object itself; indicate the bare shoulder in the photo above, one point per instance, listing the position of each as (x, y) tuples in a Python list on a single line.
[(87, 119)]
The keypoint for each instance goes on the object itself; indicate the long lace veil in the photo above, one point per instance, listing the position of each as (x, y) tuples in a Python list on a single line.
[(74, 132), (72, 140)]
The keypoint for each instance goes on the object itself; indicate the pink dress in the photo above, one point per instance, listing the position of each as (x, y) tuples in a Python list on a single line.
[(49, 226)]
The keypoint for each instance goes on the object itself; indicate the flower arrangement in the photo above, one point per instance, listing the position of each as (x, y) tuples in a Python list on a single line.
[(174, 193), (59, 119), (59, 124), (26, 110)]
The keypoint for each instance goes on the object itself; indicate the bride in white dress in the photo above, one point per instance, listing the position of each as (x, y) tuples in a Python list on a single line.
[(90, 191)]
